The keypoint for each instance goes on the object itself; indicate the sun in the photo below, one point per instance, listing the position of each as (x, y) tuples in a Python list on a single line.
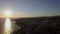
[(7, 13)]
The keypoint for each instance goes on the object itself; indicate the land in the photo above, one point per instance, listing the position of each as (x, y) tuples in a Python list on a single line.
[(38, 25)]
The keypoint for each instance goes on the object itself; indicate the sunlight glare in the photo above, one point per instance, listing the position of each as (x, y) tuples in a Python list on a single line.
[(8, 13), (7, 26), (7, 23)]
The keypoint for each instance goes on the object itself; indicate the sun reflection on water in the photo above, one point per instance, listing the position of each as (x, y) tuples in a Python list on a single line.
[(7, 26)]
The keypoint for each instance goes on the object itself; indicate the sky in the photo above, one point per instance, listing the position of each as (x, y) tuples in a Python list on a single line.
[(30, 8)]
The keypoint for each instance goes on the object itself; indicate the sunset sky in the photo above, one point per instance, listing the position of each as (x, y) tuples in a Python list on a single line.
[(30, 8)]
